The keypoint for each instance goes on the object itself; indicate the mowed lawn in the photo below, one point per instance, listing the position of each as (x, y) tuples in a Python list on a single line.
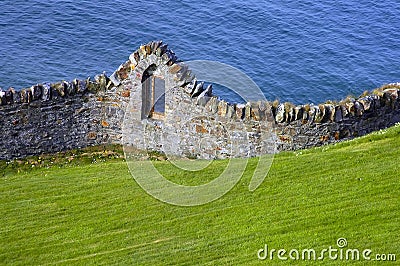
[(96, 213)]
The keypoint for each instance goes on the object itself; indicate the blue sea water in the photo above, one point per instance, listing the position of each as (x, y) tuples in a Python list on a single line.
[(300, 51)]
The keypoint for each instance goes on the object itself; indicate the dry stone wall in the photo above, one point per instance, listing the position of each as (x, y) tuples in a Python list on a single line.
[(47, 118), (306, 126)]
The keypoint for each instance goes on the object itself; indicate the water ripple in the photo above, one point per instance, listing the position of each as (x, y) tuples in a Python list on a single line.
[(300, 51)]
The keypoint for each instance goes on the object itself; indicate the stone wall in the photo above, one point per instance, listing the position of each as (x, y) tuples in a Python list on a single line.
[(195, 124), (306, 126), (47, 118)]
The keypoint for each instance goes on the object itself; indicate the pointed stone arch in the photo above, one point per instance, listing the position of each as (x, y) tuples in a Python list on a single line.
[(190, 116), (152, 70)]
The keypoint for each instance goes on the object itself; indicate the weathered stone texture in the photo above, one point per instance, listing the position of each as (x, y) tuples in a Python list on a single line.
[(58, 122), (47, 118)]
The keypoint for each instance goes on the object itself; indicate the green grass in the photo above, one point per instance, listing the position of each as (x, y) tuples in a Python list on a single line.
[(93, 212)]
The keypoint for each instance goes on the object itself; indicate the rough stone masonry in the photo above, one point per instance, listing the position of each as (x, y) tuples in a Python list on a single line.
[(188, 121)]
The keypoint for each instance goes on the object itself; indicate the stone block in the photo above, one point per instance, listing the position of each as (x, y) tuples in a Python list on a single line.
[(188, 77), (124, 70), (92, 135), (255, 111), (102, 81), (240, 110), (231, 111), (389, 97), (393, 93), (207, 91), (285, 138), (26, 96), (367, 102), (147, 47), (175, 68), (161, 50), (202, 100), (155, 45), (350, 108), (46, 92), (70, 88), (36, 91), (319, 113), (81, 86), (91, 86), (312, 113), (289, 113), (8, 96), (344, 111), (182, 74), (189, 88), (165, 59), (142, 52), (16, 95), (198, 90), (247, 111), (214, 105), (264, 106), (378, 102), (330, 112), (280, 113), (305, 114), (133, 60), (136, 57), (222, 108), (298, 112), (126, 93), (172, 57), (200, 129), (359, 108), (2, 97), (59, 88)]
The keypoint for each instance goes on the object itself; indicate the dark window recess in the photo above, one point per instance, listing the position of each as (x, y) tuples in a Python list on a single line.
[(153, 96), (146, 98), (159, 96)]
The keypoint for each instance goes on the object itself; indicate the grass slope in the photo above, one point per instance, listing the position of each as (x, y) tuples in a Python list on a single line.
[(95, 213)]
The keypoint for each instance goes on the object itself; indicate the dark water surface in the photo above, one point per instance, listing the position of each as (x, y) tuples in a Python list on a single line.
[(299, 51)]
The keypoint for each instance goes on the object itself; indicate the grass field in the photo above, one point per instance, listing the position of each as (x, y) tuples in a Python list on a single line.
[(93, 212)]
